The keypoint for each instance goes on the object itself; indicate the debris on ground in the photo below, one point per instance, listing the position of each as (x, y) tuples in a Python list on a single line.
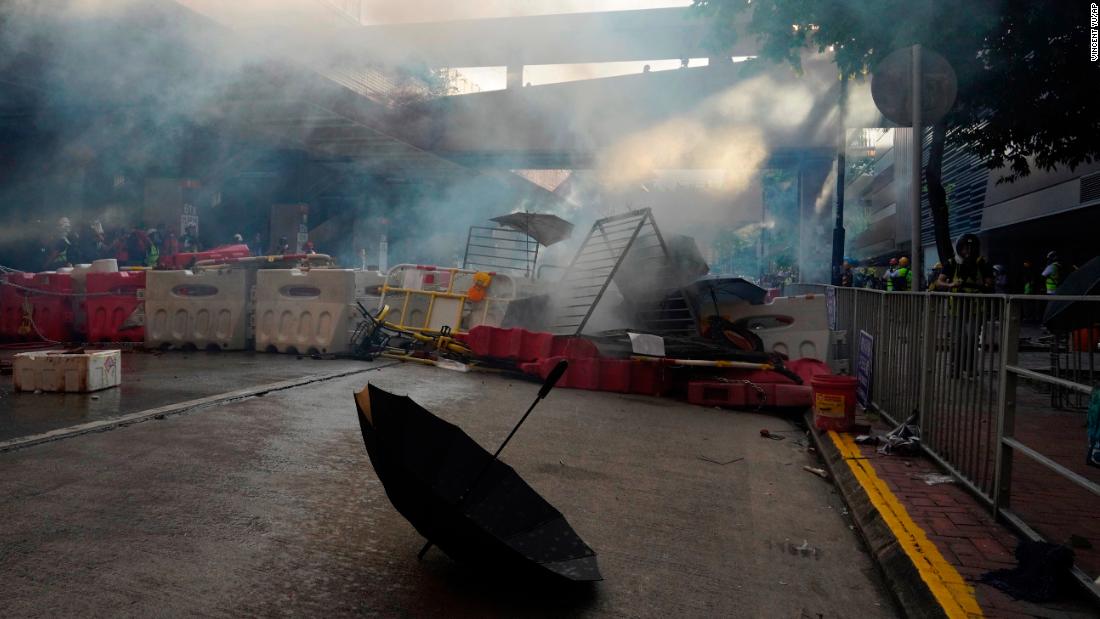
[(822, 473), (934, 479), (1039, 575), (722, 463), (769, 434), (903, 440)]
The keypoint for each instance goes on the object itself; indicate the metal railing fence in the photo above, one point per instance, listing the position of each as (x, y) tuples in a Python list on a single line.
[(954, 360)]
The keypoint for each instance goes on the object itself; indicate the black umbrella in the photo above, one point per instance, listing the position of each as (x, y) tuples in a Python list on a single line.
[(462, 498), (544, 228), (1069, 315), (717, 288)]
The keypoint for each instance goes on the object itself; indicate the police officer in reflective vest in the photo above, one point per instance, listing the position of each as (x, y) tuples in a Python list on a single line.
[(1054, 274), (902, 277), (967, 273), (891, 273)]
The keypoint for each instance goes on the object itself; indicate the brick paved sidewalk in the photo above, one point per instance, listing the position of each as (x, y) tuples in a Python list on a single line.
[(964, 532)]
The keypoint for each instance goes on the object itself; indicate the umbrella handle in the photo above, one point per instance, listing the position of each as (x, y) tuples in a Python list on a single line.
[(552, 379)]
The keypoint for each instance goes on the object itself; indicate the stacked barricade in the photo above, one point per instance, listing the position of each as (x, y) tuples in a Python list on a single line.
[(429, 298), (200, 309), (188, 259), (305, 311), (37, 306), (115, 306), (796, 327)]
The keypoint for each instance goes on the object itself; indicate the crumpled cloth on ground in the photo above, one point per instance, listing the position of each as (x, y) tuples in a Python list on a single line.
[(1040, 570)]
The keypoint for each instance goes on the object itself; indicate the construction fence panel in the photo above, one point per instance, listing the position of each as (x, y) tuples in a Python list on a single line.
[(1048, 420), (960, 385)]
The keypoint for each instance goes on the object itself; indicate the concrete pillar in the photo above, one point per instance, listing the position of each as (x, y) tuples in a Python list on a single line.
[(514, 78)]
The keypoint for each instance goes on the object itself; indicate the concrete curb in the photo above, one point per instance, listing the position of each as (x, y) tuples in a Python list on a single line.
[(913, 595), (104, 425)]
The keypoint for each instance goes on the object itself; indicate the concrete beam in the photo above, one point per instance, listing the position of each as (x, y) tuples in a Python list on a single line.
[(612, 36), (567, 125)]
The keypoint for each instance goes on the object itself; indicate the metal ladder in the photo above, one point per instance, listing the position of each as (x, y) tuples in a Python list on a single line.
[(626, 249)]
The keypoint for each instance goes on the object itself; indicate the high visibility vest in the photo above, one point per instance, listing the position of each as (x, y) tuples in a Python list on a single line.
[(1055, 278), (905, 279), (152, 256), (971, 282)]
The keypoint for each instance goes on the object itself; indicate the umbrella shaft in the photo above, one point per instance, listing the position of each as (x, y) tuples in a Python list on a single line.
[(423, 551), (484, 469), (513, 432)]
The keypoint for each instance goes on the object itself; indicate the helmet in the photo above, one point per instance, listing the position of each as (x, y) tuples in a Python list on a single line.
[(1052, 256), (968, 239), (1000, 268), (893, 261), (904, 261)]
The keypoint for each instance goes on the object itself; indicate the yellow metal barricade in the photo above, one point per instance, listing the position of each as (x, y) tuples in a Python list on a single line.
[(429, 298)]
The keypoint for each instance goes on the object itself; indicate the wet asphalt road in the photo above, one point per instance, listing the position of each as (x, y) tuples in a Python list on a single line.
[(150, 380), (269, 506)]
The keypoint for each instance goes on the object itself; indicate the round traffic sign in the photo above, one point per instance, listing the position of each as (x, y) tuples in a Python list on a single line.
[(892, 86)]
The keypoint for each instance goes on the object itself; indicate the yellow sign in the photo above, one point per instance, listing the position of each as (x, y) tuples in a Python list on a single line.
[(829, 405)]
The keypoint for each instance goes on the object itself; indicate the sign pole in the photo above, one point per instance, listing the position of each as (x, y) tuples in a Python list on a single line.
[(915, 190)]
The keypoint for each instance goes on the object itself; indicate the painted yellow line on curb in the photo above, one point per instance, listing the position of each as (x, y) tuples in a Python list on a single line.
[(955, 596)]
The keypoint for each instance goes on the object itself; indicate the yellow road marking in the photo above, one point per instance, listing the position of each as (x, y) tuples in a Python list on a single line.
[(954, 595)]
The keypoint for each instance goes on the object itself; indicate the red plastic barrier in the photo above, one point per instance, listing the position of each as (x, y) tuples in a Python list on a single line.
[(648, 378), (615, 375), (508, 344), (808, 368), (108, 314), (573, 348), (752, 395), (185, 260), (52, 313), (618, 375)]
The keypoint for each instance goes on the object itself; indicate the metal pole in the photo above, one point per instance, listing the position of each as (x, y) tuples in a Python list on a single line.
[(842, 147), (918, 150)]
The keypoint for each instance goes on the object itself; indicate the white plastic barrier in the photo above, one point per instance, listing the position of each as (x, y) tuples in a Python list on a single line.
[(368, 288), (794, 326), (204, 309), (305, 311)]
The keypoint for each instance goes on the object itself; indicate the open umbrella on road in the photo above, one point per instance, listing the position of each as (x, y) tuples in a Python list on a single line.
[(463, 499), (1069, 315)]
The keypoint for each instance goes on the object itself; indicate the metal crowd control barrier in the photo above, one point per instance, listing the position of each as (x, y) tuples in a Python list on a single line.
[(954, 360), (429, 298)]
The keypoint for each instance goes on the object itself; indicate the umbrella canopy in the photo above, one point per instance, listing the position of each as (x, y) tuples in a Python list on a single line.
[(1069, 315), (475, 508), (544, 228), (725, 290)]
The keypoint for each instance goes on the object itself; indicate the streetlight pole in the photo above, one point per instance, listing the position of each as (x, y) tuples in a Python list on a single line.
[(915, 170), (841, 168)]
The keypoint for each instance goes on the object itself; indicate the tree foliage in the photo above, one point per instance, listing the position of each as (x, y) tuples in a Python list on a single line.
[(1027, 89)]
